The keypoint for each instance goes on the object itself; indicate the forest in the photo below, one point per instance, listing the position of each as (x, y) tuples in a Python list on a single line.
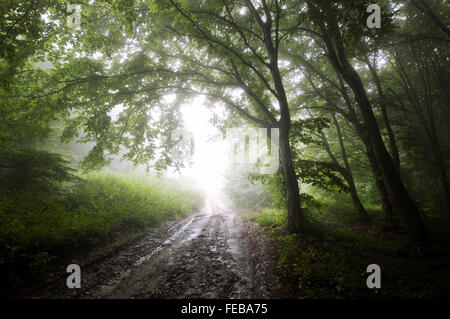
[(93, 92)]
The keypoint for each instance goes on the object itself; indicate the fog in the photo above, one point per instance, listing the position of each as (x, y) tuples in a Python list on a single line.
[(210, 153)]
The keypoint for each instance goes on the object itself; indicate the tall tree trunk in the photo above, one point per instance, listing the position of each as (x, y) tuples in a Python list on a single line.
[(363, 215), (391, 137), (401, 200), (379, 182), (428, 126), (384, 197), (295, 215), (435, 143)]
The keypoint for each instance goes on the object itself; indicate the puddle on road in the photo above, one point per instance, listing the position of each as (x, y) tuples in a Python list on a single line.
[(167, 242)]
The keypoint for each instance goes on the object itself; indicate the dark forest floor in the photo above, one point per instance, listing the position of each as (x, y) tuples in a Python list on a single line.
[(330, 259)]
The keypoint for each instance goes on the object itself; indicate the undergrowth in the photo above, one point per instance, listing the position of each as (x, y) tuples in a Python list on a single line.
[(330, 258), (38, 228)]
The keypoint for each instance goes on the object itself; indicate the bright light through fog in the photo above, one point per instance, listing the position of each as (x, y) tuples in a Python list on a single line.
[(210, 156)]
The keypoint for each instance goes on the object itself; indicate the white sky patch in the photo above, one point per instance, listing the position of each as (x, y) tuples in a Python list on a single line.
[(210, 156), (382, 60), (96, 55), (242, 10), (45, 65), (284, 63)]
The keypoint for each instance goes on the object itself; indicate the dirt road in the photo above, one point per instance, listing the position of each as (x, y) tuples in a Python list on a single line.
[(215, 253)]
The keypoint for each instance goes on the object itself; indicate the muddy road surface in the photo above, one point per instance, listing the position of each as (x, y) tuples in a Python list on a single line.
[(215, 253)]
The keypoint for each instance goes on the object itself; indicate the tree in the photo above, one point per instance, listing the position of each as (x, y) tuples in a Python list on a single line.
[(335, 37), (224, 50), (327, 94)]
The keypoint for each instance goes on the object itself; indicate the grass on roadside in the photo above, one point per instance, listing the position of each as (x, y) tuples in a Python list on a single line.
[(38, 228)]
